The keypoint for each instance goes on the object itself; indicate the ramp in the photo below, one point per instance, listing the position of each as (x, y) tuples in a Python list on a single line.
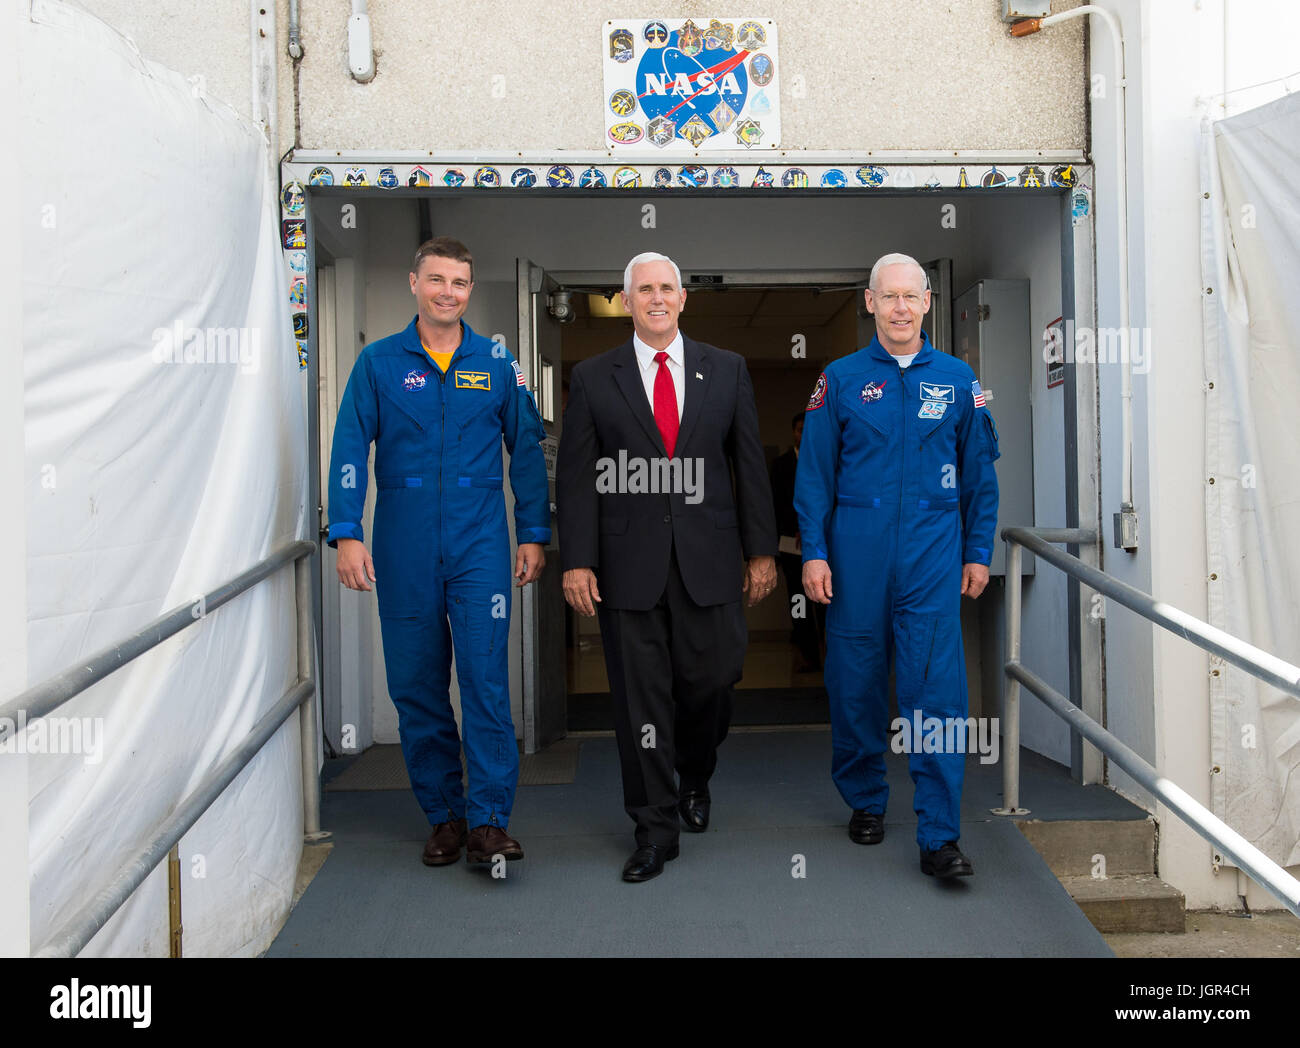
[(732, 892)]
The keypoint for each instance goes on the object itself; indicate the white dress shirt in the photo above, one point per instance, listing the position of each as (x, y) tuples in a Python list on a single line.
[(645, 357)]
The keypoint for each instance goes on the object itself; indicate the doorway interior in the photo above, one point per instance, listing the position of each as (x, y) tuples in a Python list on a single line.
[(814, 252)]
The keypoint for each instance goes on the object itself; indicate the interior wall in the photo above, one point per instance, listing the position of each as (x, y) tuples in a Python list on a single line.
[(389, 237)]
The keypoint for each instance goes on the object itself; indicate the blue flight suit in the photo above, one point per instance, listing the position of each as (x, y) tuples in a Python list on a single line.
[(442, 550), (896, 490)]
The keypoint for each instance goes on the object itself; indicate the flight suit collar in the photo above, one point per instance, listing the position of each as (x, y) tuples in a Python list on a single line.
[(411, 341), (923, 356)]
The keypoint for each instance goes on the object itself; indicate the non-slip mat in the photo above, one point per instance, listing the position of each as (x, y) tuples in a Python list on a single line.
[(383, 768)]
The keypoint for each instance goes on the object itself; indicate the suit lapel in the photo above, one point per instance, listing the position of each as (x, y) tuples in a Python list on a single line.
[(695, 388), (627, 375)]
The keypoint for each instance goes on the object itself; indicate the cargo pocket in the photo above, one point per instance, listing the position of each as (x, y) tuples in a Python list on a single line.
[(944, 690)]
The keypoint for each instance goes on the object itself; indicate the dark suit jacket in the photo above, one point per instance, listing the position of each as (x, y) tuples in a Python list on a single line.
[(626, 536)]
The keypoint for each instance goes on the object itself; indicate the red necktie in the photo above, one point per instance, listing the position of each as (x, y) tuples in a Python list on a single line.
[(666, 404)]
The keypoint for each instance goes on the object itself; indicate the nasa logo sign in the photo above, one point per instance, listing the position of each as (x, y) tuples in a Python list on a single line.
[(693, 83)]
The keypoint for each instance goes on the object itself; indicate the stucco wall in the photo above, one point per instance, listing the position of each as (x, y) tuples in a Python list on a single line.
[(509, 75)]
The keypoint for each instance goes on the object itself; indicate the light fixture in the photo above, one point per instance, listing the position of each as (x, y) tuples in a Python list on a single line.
[(560, 305)]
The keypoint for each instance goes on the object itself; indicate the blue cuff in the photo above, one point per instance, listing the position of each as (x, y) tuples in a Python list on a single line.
[(814, 553), (977, 555), (344, 531), (522, 535)]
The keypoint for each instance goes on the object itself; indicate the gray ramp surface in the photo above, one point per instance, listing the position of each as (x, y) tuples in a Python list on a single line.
[(732, 892)]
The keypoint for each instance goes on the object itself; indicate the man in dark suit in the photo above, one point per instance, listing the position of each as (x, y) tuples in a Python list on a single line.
[(810, 618), (656, 434)]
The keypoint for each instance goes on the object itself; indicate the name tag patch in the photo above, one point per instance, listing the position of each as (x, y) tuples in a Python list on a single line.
[(946, 394), (932, 409), (473, 380)]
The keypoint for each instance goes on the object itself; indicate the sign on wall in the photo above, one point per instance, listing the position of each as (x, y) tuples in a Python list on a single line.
[(703, 84), (1054, 352)]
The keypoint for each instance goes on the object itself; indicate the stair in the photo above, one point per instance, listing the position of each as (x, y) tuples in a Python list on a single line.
[(1108, 867)]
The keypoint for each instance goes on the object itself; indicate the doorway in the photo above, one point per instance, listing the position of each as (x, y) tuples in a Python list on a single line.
[(817, 251)]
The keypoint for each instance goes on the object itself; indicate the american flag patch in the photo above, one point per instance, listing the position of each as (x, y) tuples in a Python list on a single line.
[(977, 393), (519, 374)]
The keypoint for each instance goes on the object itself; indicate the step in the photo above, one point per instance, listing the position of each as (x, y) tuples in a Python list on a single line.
[(1087, 847), (1139, 902)]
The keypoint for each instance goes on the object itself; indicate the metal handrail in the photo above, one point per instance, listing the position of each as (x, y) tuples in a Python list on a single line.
[(53, 692), (1255, 661), (49, 695)]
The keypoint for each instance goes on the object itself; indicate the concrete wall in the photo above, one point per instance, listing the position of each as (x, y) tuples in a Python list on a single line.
[(506, 75)]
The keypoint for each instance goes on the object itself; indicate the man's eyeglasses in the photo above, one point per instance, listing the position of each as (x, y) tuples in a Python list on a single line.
[(912, 300)]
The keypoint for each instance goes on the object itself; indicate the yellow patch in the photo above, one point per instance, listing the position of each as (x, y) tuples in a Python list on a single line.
[(473, 380)]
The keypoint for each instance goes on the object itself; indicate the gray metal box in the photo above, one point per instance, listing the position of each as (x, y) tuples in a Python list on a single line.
[(991, 334), (1014, 10)]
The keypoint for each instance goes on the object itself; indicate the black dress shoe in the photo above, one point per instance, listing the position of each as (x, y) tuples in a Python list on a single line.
[(694, 810), (866, 827), (648, 861), (947, 861)]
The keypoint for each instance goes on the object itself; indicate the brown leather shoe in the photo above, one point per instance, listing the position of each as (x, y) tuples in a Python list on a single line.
[(487, 841), (444, 843)]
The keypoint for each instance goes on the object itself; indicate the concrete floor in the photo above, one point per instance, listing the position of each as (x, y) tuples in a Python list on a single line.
[(1216, 934)]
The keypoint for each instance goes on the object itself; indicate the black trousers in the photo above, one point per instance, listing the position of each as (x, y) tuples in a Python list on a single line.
[(671, 671), (806, 633)]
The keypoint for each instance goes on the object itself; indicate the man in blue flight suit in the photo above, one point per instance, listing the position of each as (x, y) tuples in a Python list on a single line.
[(897, 498), (437, 399)]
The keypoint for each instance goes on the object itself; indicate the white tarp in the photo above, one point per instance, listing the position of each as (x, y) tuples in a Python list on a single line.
[(1251, 233), (156, 471)]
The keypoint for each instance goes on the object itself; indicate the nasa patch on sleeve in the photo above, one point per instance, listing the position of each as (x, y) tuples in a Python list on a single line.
[(818, 394)]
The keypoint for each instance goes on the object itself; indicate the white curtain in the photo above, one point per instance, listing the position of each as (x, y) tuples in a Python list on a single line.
[(1251, 249), (157, 471)]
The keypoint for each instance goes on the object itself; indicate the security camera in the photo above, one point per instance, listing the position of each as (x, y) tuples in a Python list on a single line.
[(560, 306)]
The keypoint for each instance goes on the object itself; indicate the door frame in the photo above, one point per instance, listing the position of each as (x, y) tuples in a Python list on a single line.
[(935, 174)]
